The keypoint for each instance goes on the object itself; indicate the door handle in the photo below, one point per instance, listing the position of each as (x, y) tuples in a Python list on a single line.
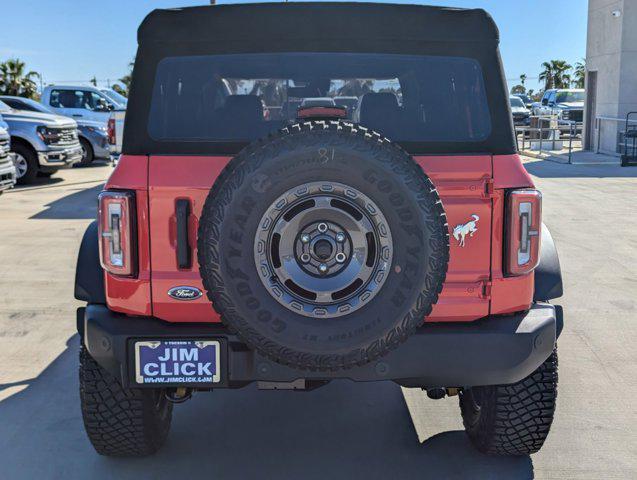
[(182, 212), (78, 115)]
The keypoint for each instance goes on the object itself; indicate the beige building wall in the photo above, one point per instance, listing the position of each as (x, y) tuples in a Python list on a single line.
[(611, 57)]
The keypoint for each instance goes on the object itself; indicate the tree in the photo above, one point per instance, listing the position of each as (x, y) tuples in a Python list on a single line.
[(518, 89), (125, 81), (580, 74), (523, 81), (14, 81), (94, 81), (561, 79), (554, 74), (546, 75)]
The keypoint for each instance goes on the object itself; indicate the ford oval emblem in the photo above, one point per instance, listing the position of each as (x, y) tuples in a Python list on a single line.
[(185, 293)]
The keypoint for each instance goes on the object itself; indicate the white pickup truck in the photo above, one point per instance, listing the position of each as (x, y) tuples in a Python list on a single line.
[(567, 104), (116, 133)]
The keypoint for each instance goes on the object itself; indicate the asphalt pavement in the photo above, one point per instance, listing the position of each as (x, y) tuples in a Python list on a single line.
[(343, 430)]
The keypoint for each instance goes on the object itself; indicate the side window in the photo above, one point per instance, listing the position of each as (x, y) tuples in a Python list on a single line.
[(87, 99), (66, 99), (96, 101), (552, 97), (54, 101)]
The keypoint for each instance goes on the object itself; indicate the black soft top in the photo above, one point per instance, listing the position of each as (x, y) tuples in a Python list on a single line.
[(317, 27), (297, 21)]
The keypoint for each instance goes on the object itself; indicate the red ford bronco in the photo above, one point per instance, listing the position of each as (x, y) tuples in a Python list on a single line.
[(248, 235)]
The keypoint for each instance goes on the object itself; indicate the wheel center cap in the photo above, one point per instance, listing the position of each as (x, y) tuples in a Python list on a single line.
[(323, 249)]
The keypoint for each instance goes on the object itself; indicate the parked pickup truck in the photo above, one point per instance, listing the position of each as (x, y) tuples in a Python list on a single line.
[(93, 138), (115, 132), (568, 105), (42, 142), (7, 169), (87, 103)]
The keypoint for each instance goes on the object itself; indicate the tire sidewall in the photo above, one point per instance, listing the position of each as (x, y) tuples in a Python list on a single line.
[(392, 181), (89, 152), (32, 165)]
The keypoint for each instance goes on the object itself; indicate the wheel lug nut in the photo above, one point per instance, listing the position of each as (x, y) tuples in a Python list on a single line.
[(322, 227), (322, 268), (340, 257), (305, 238), (340, 237), (305, 258)]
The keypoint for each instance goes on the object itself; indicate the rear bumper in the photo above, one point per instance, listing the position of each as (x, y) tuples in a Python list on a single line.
[(491, 351)]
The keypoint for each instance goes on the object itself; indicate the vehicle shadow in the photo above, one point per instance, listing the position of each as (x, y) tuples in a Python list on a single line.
[(550, 169), (39, 182), (343, 430), (98, 162), (81, 204)]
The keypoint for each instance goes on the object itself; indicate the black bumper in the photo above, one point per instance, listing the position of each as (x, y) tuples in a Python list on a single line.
[(491, 351)]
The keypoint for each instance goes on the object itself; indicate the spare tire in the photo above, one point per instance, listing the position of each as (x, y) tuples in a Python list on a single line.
[(323, 246)]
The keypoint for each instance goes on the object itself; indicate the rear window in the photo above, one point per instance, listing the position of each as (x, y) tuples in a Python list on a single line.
[(241, 97)]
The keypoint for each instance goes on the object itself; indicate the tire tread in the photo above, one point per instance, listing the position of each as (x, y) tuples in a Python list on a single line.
[(515, 419), (118, 421), (232, 177)]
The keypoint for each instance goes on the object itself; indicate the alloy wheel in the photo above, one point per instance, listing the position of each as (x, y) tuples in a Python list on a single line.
[(323, 249)]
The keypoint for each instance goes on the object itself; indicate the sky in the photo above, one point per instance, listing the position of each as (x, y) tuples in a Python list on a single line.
[(72, 41)]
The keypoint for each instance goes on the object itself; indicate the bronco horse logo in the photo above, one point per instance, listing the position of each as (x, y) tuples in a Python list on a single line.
[(461, 231)]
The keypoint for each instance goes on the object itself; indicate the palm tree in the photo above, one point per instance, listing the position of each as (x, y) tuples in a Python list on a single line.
[(546, 75), (523, 80), (580, 73), (14, 80), (125, 81), (561, 79), (555, 74)]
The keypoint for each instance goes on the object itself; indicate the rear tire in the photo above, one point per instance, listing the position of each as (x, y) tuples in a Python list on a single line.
[(121, 422), (512, 419), (87, 153)]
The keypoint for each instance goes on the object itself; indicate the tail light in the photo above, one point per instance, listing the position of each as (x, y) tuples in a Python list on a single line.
[(524, 224), (110, 130), (116, 227)]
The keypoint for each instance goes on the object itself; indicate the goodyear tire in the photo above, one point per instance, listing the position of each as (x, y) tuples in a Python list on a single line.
[(323, 246)]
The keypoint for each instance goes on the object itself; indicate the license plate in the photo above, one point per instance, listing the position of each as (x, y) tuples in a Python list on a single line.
[(177, 362)]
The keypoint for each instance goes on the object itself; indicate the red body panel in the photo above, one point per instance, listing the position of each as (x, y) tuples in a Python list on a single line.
[(132, 295), (508, 294), (468, 185), (169, 181), (462, 186)]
